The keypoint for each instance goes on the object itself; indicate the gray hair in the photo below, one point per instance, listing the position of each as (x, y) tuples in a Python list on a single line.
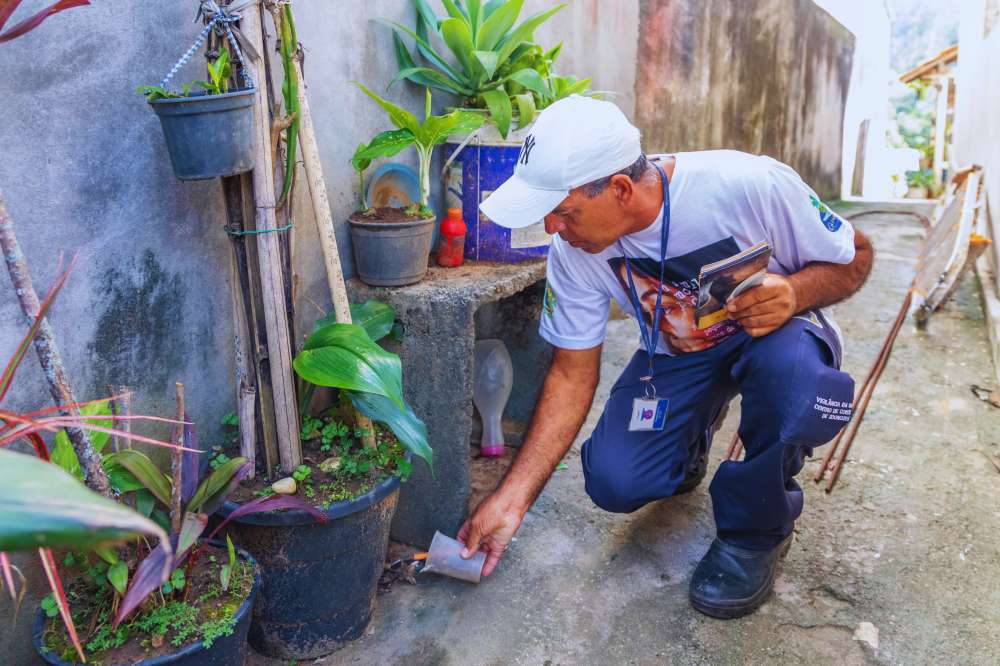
[(634, 171)]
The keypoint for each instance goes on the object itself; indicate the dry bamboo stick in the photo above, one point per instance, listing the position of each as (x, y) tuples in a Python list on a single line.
[(324, 224), (268, 247), (177, 464), (48, 354), (248, 435)]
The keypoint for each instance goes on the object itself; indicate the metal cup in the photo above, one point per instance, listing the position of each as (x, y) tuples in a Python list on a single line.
[(445, 558)]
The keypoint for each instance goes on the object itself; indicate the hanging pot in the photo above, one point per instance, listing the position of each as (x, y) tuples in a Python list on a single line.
[(208, 135)]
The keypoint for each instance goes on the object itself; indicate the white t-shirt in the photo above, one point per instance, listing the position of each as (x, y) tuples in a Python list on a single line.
[(721, 202)]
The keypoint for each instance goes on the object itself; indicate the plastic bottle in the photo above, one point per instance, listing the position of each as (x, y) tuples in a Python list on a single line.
[(493, 377), (451, 244)]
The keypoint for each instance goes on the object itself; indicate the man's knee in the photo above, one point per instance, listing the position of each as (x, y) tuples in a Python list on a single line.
[(610, 489)]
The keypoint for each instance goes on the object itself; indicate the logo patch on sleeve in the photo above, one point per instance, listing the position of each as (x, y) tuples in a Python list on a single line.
[(549, 302), (830, 220)]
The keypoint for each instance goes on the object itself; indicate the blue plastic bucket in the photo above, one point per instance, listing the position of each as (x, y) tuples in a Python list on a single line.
[(480, 167)]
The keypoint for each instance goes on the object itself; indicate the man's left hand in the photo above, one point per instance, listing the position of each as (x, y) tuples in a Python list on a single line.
[(766, 307)]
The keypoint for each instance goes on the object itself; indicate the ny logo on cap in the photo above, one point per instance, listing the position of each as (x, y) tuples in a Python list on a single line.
[(529, 143)]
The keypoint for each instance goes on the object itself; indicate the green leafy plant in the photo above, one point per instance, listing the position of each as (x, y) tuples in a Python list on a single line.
[(301, 473), (423, 136), (347, 357), (226, 572), (490, 54), (220, 71), (922, 178)]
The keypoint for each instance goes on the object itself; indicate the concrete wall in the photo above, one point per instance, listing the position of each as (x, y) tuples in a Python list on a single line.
[(765, 77), (977, 105)]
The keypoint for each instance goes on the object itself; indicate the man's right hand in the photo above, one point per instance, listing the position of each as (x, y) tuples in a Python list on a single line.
[(490, 529)]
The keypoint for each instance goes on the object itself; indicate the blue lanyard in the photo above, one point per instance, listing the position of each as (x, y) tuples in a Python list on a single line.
[(650, 334)]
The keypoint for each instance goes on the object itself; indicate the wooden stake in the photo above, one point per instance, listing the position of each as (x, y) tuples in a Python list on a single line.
[(324, 224), (248, 435), (48, 354), (176, 464), (268, 246), (249, 316)]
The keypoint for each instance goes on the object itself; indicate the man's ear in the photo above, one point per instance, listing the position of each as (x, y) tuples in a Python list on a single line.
[(623, 188)]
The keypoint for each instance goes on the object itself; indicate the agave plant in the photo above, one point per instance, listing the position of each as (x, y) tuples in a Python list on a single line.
[(423, 136), (495, 64)]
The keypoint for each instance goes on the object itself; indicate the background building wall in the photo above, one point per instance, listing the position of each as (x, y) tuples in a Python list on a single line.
[(977, 103), (765, 77)]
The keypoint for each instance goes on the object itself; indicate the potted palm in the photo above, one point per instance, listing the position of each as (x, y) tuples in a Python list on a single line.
[(350, 474), (495, 68), (391, 245)]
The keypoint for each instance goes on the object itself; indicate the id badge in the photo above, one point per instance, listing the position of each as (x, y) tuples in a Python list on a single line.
[(648, 414)]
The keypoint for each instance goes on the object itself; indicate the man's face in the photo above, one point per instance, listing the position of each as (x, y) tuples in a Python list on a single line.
[(591, 224)]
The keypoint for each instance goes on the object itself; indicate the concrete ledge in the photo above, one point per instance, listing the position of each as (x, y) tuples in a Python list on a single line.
[(442, 317)]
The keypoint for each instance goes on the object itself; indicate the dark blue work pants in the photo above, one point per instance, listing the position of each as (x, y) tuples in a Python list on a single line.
[(794, 397)]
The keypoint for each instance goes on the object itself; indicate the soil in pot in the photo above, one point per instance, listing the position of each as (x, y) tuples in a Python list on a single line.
[(197, 611), (335, 465), (392, 214)]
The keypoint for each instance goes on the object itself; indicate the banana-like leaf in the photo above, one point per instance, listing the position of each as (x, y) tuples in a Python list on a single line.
[(498, 102), (436, 129), (525, 109), (214, 490), (410, 430), (385, 144), (145, 471), (456, 34), (43, 506), (492, 6), (399, 116), (376, 317), (343, 356), (496, 26)]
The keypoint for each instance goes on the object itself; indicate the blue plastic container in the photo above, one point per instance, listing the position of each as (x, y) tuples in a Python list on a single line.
[(479, 168)]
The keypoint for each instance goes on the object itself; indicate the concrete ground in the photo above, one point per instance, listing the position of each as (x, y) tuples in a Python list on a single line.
[(899, 565)]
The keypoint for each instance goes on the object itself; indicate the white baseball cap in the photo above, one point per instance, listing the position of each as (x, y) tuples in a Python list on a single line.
[(573, 142)]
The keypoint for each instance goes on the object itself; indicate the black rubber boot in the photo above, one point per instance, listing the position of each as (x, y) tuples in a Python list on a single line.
[(731, 582), (694, 474)]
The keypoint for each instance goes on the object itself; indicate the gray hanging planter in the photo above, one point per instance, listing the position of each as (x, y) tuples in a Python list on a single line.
[(208, 135)]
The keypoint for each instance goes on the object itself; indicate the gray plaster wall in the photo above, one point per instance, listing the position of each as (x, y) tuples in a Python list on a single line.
[(768, 77)]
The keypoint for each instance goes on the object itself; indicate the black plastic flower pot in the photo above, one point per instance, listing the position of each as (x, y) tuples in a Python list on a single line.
[(391, 254), (225, 650), (320, 579), (208, 135)]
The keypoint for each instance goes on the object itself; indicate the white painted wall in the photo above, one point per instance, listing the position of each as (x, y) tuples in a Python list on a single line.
[(868, 96)]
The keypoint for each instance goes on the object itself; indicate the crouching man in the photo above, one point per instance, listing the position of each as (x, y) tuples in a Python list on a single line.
[(639, 230)]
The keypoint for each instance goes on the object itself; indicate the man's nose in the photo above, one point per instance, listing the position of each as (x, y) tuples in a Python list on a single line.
[(553, 225)]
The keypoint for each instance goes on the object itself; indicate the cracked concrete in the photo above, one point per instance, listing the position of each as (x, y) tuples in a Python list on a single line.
[(906, 543)]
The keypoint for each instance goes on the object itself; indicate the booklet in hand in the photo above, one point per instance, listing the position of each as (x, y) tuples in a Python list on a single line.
[(722, 281)]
